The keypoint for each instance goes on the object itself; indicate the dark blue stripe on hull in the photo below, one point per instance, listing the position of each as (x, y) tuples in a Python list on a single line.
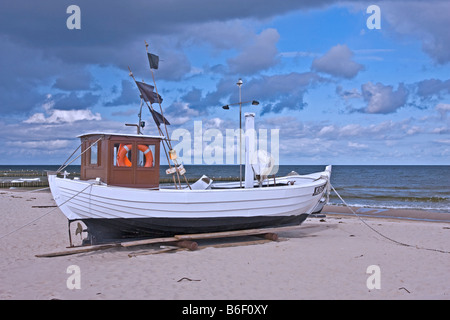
[(110, 230)]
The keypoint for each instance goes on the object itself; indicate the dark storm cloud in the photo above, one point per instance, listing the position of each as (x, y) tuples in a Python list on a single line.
[(284, 91), (78, 79), (39, 50), (261, 54), (129, 94), (275, 93), (113, 32), (429, 92), (431, 87), (74, 100), (43, 23), (426, 20)]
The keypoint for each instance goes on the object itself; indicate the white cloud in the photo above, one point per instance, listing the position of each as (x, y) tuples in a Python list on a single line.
[(356, 145), (327, 130), (443, 109), (47, 144), (383, 99), (413, 130), (443, 141), (338, 62), (296, 54), (348, 94), (351, 130), (63, 116), (180, 113), (441, 130), (261, 54)]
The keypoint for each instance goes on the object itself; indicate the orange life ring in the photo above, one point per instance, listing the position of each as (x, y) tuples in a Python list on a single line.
[(148, 155), (123, 161)]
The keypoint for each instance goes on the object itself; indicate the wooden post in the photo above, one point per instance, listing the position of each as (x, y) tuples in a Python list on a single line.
[(191, 245), (271, 236), (70, 236)]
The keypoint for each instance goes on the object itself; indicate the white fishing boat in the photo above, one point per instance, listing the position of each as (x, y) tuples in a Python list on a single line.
[(119, 202), (118, 195)]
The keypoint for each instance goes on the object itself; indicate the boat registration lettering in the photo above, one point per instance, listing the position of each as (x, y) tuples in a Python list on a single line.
[(319, 189)]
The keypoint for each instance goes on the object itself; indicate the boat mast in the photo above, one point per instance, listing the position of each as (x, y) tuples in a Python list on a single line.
[(150, 107), (167, 145), (159, 101), (141, 123), (172, 153)]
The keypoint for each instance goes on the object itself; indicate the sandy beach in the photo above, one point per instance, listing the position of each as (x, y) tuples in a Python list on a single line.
[(324, 258)]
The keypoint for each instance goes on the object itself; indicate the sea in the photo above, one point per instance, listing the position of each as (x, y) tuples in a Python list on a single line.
[(419, 187)]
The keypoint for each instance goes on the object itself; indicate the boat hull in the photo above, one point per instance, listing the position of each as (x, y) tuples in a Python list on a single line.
[(120, 229)]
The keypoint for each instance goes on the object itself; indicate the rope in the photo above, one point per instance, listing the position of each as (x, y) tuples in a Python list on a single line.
[(62, 166), (65, 166), (379, 233), (1, 237), (40, 189)]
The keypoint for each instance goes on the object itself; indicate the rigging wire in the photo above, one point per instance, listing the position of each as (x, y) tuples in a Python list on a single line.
[(40, 217), (65, 166)]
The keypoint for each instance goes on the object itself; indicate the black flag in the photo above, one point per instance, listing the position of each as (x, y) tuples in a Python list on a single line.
[(153, 60), (158, 118), (147, 93)]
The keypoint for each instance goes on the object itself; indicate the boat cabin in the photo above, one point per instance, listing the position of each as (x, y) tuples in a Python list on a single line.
[(121, 159)]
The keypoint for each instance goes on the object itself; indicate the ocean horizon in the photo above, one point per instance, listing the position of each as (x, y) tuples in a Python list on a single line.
[(420, 187)]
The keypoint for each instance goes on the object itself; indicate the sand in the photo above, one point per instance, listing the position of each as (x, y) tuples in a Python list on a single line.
[(324, 258)]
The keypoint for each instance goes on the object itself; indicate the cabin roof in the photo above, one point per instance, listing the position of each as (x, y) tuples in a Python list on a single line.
[(119, 135)]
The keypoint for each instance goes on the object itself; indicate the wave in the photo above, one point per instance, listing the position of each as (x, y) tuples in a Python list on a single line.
[(445, 209), (433, 199)]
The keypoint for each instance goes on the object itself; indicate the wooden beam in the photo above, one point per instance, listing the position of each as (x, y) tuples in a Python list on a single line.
[(81, 250), (179, 240), (227, 234), (147, 241), (217, 245)]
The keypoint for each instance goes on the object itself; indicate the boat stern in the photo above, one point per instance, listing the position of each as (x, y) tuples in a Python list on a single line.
[(326, 192)]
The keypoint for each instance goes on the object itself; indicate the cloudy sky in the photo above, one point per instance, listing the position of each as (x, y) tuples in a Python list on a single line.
[(339, 92)]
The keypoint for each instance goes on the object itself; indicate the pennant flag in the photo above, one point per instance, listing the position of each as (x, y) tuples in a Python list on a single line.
[(158, 118), (146, 90), (153, 60), (147, 93)]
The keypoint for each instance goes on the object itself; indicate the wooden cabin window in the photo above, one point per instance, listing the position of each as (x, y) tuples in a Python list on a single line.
[(93, 159), (146, 155), (123, 154)]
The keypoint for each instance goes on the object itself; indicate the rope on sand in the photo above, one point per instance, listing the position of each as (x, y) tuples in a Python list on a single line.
[(379, 233)]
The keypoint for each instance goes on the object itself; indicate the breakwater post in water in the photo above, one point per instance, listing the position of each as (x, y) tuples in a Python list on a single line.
[(44, 183)]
